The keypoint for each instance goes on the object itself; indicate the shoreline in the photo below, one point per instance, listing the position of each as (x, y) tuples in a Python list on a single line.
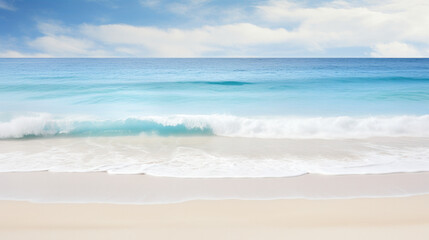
[(100, 187), (216, 157)]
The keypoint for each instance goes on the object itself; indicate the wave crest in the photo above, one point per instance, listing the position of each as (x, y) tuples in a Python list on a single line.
[(342, 127)]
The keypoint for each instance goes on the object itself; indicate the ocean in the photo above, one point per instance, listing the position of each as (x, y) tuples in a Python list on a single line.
[(243, 117)]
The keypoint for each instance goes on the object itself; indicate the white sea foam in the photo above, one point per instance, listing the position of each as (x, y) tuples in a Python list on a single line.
[(342, 127), (215, 157), (305, 127), (33, 125)]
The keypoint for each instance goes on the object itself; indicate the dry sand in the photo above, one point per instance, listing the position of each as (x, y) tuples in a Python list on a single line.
[(377, 218), (384, 216)]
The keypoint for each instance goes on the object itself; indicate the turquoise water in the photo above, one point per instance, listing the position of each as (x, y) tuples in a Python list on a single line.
[(254, 99), (249, 87), (119, 89)]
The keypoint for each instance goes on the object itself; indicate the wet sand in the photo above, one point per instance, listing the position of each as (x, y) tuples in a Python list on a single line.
[(100, 187)]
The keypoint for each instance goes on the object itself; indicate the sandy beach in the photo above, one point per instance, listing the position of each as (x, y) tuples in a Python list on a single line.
[(100, 187), (382, 218), (214, 120), (44, 205)]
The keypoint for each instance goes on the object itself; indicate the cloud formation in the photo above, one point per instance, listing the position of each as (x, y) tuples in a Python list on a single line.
[(396, 49), (344, 24), (6, 5), (387, 28)]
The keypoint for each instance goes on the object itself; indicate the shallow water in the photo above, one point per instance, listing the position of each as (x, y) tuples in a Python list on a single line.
[(215, 117)]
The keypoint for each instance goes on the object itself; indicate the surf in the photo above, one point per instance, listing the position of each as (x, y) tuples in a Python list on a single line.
[(269, 127)]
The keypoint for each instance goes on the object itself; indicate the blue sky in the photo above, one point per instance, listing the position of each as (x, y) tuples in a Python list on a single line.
[(204, 28)]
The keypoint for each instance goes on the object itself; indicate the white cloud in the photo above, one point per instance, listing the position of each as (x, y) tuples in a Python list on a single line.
[(344, 24), (177, 7), (128, 40), (385, 28), (395, 49), (56, 45), (52, 28), (192, 7), (198, 11), (15, 54), (6, 5), (150, 3)]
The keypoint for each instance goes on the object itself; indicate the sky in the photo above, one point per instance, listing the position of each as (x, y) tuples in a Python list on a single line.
[(214, 28)]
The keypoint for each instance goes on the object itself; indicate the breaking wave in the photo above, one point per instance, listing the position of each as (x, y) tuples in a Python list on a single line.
[(343, 127)]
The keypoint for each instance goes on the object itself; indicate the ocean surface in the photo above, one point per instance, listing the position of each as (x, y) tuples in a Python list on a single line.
[(215, 117)]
